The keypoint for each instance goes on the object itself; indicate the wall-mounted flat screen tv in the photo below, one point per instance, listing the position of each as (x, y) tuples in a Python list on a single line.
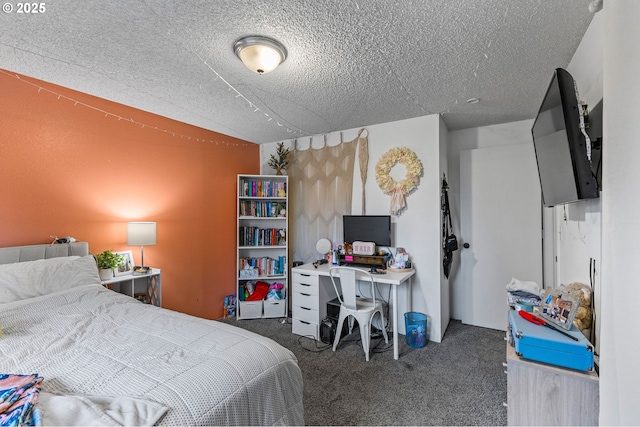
[(560, 146), (367, 228)]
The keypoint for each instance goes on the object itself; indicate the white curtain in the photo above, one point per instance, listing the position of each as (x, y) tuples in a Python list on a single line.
[(321, 186)]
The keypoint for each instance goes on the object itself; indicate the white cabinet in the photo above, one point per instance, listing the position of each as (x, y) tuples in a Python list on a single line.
[(308, 303), (305, 317), (262, 248), (146, 288), (545, 395)]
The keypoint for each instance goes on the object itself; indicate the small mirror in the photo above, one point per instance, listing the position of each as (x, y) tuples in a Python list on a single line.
[(323, 246)]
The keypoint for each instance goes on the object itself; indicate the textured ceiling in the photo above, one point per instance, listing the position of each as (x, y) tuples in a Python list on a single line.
[(351, 63)]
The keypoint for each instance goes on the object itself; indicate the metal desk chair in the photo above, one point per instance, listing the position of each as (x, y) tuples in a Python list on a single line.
[(362, 309)]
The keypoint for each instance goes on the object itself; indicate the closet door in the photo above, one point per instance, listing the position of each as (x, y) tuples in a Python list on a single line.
[(500, 221)]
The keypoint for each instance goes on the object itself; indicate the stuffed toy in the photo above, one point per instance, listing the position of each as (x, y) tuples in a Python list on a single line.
[(260, 291), (347, 248), (584, 315)]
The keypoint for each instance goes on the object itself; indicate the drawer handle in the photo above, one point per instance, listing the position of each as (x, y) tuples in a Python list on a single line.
[(302, 321), (306, 295), (305, 308), (303, 284), (305, 275)]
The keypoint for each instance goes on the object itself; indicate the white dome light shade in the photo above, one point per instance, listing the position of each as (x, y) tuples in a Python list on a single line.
[(260, 54)]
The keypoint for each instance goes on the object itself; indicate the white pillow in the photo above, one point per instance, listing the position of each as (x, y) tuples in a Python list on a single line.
[(30, 279)]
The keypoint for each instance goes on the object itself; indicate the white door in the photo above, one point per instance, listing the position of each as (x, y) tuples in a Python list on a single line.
[(500, 222)]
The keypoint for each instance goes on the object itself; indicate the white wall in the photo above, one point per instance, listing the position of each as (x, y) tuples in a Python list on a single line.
[(577, 226), (417, 229), (620, 339)]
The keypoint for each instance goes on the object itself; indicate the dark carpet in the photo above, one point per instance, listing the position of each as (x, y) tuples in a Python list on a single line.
[(460, 381)]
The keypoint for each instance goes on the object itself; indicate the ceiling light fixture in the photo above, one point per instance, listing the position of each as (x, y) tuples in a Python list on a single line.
[(473, 100), (260, 54)]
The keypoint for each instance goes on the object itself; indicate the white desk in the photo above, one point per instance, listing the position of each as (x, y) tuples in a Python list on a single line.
[(310, 295)]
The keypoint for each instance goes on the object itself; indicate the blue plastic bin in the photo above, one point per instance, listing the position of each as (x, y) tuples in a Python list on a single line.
[(416, 329)]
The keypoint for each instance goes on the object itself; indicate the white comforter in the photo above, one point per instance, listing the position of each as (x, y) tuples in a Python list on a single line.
[(106, 352)]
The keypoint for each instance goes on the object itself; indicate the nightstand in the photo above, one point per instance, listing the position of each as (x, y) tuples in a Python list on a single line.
[(147, 287)]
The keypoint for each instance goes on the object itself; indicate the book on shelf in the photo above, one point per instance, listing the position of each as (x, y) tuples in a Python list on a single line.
[(254, 236), (261, 209), (266, 266), (263, 188)]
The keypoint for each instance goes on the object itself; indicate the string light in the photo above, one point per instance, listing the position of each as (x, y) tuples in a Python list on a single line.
[(230, 88), (107, 114), (404, 89), (595, 6)]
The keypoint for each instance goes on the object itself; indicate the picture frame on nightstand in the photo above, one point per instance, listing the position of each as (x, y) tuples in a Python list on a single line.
[(559, 307), (126, 266)]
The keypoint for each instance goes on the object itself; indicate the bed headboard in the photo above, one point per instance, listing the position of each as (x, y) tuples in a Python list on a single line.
[(33, 252)]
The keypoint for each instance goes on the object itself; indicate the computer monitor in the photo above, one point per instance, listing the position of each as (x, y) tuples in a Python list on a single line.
[(367, 228)]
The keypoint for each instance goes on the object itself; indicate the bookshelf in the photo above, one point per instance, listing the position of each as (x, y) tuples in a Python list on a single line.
[(262, 246), (146, 288)]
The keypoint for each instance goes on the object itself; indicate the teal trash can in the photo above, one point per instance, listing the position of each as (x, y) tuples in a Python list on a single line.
[(415, 325)]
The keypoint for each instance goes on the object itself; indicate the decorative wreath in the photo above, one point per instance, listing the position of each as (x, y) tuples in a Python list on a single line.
[(398, 190)]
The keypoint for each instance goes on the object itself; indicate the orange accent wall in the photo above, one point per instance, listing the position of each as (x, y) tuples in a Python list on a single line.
[(72, 165)]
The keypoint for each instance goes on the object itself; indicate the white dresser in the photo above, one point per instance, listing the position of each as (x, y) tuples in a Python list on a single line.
[(309, 304)]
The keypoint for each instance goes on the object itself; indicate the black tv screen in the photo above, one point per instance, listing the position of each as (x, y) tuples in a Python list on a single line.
[(367, 228), (560, 146)]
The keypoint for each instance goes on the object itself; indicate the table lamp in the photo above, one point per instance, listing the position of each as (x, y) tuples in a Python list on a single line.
[(141, 234)]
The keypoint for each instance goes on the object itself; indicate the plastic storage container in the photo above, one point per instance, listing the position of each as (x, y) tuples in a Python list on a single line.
[(416, 329)]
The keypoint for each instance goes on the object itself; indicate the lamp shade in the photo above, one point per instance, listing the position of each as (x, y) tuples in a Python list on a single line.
[(141, 233)]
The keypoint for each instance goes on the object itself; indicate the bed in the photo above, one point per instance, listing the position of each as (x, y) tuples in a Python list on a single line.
[(108, 359)]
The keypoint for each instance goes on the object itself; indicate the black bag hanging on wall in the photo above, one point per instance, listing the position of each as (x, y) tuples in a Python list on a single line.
[(451, 243), (449, 240)]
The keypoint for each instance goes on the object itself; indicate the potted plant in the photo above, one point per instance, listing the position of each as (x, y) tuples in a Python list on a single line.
[(280, 160), (107, 262)]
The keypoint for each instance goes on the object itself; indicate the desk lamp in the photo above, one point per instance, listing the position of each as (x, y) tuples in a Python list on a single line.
[(141, 234)]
